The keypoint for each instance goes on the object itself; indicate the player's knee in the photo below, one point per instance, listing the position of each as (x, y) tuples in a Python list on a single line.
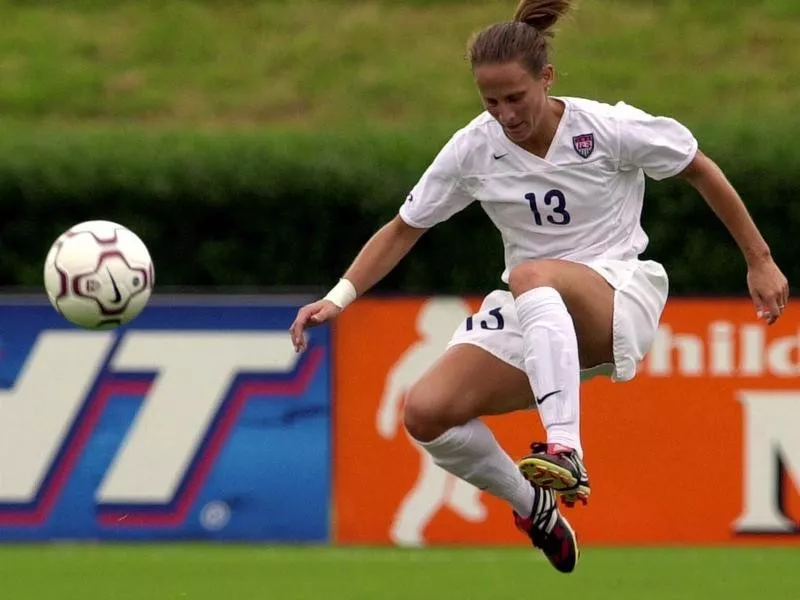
[(426, 415), (531, 274)]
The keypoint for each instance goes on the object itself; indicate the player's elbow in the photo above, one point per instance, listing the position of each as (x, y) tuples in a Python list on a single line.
[(402, 230), (699, 169)]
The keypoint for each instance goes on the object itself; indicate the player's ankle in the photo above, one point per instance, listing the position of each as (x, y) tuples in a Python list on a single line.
[(562, 442)]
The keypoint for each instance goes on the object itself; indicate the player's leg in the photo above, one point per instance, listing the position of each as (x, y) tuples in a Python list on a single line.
[(565, 312), (442, 413)]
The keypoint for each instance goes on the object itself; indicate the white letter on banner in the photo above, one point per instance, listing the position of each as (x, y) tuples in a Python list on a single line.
[(770, 440), (195, 370), (37, 414)]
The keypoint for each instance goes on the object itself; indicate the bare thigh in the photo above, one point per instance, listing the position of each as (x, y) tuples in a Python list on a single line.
[(465, 383), (589, 299)]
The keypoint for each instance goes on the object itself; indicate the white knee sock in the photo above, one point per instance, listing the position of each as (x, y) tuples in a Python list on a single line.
[(472, 453), (552, 364)]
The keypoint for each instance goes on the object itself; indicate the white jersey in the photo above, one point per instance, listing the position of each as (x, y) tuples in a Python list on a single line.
[(581, 202)]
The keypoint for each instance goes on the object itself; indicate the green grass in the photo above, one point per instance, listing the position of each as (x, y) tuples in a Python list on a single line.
[(200, 572), (312, 64)]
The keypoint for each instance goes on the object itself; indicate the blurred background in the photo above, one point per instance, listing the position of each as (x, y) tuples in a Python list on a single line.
[(255, 146)]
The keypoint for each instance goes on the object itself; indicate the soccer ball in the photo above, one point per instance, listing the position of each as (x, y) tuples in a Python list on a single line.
[(98, 275)]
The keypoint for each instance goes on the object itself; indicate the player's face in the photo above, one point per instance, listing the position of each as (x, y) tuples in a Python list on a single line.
[(514, 97)]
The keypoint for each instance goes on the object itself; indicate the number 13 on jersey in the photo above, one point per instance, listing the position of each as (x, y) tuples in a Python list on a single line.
[(554, 206)]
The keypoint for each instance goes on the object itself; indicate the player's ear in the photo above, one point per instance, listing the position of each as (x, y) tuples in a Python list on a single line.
[(548, 76)]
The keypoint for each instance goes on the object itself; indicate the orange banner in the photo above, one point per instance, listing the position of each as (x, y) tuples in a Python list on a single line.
[(703, 447)]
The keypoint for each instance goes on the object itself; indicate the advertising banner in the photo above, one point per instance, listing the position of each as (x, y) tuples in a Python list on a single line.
[(197, 421), (703, 447)]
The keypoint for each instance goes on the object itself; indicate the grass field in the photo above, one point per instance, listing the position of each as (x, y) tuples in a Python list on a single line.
[(377, 63), (206, 572)]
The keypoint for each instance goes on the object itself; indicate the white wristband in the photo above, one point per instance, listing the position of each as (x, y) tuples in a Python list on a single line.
[(342, 294)]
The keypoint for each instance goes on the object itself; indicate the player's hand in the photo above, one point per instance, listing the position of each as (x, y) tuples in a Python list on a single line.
[(769, 290), (310, 316)]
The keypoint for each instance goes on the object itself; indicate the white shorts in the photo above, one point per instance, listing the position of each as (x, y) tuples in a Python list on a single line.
[(640, 293)]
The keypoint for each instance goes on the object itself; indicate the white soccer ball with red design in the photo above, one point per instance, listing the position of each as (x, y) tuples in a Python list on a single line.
[(98, 275)]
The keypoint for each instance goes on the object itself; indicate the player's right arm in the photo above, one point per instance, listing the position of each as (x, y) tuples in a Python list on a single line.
[(382, 253), (384, 250), (438, 195)]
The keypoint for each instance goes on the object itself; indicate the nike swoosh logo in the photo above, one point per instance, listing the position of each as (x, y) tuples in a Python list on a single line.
[(499, 156), (545, 397), (117, 295)]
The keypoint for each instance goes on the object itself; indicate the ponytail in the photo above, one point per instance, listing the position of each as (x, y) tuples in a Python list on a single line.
[(525, 39), (542, 15)]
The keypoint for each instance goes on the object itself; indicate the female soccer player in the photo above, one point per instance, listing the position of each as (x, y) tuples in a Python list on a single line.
[(563, 181)]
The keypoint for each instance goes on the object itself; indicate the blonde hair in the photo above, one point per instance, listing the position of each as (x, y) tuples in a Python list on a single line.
[(525, 39)]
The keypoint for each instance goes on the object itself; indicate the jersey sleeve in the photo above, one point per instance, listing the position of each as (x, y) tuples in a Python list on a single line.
[(440, 193), (660, 146)]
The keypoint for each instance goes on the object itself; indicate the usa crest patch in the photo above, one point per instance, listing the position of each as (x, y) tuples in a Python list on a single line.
[(584, 144)]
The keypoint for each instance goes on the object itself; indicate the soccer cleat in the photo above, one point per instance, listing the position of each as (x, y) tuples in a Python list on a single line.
[(550, 532), (558, 468)]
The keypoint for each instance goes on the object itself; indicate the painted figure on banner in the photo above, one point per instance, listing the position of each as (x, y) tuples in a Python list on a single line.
[(434, 488)]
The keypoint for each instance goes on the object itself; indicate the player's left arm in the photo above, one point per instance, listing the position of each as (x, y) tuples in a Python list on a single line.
[(768, 287)]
